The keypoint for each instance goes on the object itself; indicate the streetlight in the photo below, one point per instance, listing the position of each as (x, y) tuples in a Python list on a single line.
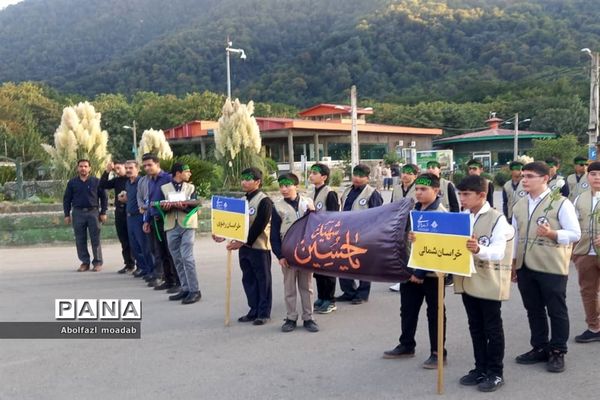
[(228, 50), (133, 131), (594, 99), (516, 136)]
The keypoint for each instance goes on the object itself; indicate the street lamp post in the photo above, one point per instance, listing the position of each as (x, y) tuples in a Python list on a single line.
[(516, 135), (594, 100), (133, 131), (229, 50)]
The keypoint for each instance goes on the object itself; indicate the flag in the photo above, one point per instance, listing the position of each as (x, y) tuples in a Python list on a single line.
[(369, 245)]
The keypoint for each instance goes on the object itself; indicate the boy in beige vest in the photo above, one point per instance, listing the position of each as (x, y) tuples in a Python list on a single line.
[(287, 210), (578, 181), (255, 254), (512, 190), (484, 291), (585, 254), (447, 189), (545, 225), (180, 227), (422, 285), (475, 167), (406, 187)]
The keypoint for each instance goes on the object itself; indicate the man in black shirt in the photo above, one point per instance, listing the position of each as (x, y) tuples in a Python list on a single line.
[(118, 183), (83, 196), (475, 167), (255, 254)]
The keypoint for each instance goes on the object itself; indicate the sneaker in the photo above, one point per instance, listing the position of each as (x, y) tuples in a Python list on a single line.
[(344, 297), (246, 318), (318, 303), (533, 356), (399, 351), (556, 361), (260, 321), (288, 325), (123, 270), (358, 300), (473, 378), (179, 296), (174, 289), (448, 280), (327, 307), (491, 383), (395, 288), (164, 286), (587, 337), (432, 362), (311, 326)]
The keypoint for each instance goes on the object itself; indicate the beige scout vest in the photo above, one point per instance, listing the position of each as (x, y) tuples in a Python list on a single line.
[(362, 200), (513, 196), (577, 188), (588, 222), (398, 194), (262, 241), (444, 184), (321, 199), (544, 255), (492, 280), (175, 215), (287, 213)]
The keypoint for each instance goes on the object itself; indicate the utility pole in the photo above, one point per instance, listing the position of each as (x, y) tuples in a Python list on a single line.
[(594, 102), (516, 141), (134, 130), (354, 153)]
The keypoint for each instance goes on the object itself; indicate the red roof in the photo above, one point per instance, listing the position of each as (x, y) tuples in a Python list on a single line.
[(191, 129), (333, 109), (493, 133)]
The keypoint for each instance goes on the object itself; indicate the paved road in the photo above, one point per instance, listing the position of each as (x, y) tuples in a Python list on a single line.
[(186, 352)]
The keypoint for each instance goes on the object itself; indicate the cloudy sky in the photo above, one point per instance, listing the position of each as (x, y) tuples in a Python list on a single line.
[(4, 3)]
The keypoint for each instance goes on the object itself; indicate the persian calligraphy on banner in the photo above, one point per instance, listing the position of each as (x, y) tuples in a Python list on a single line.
[(369, 245), (441, 242), (229, 218)]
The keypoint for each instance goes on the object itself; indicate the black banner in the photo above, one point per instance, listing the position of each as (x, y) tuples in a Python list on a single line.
[(368, 245)]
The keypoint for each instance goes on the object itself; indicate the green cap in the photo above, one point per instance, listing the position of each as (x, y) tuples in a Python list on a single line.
[(409, 169), (316, 168), (433, 164), (285, 182)]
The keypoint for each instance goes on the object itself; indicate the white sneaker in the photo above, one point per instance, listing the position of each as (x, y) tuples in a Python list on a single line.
[(395, 288)]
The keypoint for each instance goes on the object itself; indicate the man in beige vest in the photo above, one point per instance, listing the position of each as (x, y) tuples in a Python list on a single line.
[(512, 190), (553, 164), (578, 181), (180, 225), (484, 291), (359, 196), (255, 254), (447, 190), (475, 167), (585, 254), (406, 187), (545, 225), (287, 211)]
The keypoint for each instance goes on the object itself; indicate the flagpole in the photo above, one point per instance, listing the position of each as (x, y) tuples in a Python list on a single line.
[(440, 338)]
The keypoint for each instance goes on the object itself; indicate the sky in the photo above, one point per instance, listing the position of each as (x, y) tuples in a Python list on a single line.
[(5, 3)]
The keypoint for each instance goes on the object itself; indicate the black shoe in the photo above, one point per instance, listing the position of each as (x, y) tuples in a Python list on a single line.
[(587, 337), (491, 383), (311, 326), (556, 361), (344, 297), (533, 356), (473, 378), (288, 325), (448, 280), (138, 273), (148, 277), (174, 289), (164, 286), (358, 300), (246, 318), (179, 296), (154, 282), (432, 361), (131, 269), (260, 321), (399, 351), (123, 270), (192, 297)]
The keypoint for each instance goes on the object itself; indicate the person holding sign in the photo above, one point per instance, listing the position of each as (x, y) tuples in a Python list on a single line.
[(359, 196), (325, 199), (513, 189), (483, 292), (585, 255), (475, 167), (255, 254), (545, 227), (422, 285), (180, 223), (287, 211)]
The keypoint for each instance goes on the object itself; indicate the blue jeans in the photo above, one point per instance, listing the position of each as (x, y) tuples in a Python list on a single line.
[(139, 243), (181, 247)]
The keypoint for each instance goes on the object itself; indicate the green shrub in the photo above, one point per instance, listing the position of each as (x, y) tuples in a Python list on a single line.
[(204, 174), (336, 178), (7, 174), (458, 177), (502, 177)]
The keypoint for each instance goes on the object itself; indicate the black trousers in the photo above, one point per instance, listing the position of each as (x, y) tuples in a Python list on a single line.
[(545, 295), (325, 287), (256, 279), (411, 300), (487, 334), (361, 291), (163, 262), (123, 235)]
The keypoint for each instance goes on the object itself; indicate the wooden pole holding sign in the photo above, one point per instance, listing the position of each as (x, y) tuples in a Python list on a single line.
[(440, 338), (228, 288)]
